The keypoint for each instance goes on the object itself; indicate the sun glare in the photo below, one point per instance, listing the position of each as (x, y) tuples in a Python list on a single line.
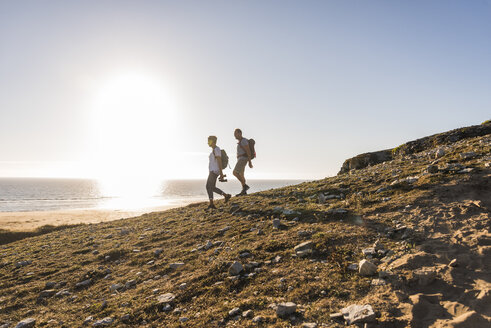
[(134, 119)]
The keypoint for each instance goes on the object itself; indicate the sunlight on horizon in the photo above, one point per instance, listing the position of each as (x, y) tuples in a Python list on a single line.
[(133, 120)]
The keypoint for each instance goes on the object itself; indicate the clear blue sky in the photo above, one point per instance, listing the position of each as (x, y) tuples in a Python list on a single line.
[(314, 82)]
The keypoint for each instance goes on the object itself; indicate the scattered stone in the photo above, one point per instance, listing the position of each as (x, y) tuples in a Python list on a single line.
[(431, 169), (183, 319), (158, 251), (468, 155), (103, 322), (370, 251), (439, 153), (208, 245), (83, 284), (88, 320), (304, 233), (166, 298), (304, 248), (336, 316), (367, 268), (257, 319), (26, 323), (225, 229), (248, 314), (309, 325), (116, 287), (125, 318), (235, 268), (47, 293), (356, 314), (454, 263), (234, 312), (276, 223), (22, 264), (337, 211), (130, 284), (286, 309), (177, 265), (183, 285)]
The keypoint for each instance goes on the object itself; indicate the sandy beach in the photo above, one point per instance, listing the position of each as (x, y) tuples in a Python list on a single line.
[(26, 221)]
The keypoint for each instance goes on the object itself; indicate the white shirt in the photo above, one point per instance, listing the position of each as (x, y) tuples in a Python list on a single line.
[(213, 166)]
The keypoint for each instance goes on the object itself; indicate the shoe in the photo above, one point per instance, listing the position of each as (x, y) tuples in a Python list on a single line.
[(246, 187), (227, 197), (242, 193), (211, 207)]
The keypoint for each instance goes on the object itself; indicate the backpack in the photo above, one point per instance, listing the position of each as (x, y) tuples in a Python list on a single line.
[(252, 147), (224, 158)]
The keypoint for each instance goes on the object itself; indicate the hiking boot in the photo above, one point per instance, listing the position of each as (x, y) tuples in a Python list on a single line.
[(211, 207), (227, 197), (242, 193), (245, 188)]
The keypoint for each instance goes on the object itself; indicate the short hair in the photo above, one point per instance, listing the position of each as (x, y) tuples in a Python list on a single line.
[(238, 130), (212, 138)]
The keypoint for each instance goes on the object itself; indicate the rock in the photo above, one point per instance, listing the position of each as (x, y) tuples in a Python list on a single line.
[(367, 268), (286, 309), (88, 320), (276, 223), (130, 284), (183, 319), (22, 264), (116, 287), (235, 268), (337, 211), (248, 314), (234, 312), (356, 314), (158, 251), (208, 245), (225, 229), (425, 276), (322, 198), (177, 265), (431, 169), (257, 319), (50, 285), (309, 325), (468, 155), (305, 246), (183, 285), (166, 298), (83, 284), (125, 317), (26, 323), (439, 153), (103, 322), (370, 251), (336, 316), (304, 233), (47, 293), (454, 263)]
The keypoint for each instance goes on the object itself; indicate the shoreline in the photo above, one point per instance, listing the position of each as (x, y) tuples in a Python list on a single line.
[(31, 220)]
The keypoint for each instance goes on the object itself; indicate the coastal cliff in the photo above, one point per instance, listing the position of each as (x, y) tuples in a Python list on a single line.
[(400, 238)]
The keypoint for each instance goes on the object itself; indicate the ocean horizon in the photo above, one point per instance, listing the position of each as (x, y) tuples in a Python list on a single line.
[(52, 194)]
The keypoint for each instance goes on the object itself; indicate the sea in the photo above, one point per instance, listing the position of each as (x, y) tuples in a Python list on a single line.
[(44, 194)]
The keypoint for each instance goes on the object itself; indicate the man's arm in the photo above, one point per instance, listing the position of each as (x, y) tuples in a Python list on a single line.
[(248, 152)]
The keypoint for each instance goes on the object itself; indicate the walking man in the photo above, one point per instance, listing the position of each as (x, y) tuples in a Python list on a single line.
[(244, 156), (215, 168)]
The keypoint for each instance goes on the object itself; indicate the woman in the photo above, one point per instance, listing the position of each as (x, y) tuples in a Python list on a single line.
[(215, 168)]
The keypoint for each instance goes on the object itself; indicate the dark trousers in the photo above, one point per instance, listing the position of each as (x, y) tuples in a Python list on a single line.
[(211, 185)]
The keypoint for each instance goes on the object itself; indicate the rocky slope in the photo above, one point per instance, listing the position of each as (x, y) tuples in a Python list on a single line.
[(402, 243)]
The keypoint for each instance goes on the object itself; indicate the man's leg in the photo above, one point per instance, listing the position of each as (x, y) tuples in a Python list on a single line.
[(209, 187)]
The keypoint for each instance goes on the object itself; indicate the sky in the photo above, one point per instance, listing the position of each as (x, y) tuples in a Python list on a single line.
[(131, 88)]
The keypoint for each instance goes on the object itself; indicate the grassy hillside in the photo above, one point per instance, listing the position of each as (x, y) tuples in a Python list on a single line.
[(428, 214)]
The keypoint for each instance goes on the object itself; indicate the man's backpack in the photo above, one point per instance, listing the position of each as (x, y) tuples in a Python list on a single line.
[(224, 159), (252, 147)]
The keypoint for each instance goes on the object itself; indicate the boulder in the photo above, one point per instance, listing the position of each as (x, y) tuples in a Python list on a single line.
[(286, 309), (367, 268), (235, 268), (26, 323), (103, 322), (166, 298), (356, 314)]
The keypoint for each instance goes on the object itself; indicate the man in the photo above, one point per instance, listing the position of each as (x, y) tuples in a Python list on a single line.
[(216, 170), (244, 156)]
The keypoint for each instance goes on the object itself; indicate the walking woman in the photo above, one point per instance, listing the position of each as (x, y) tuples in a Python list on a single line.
[(215, 168)]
